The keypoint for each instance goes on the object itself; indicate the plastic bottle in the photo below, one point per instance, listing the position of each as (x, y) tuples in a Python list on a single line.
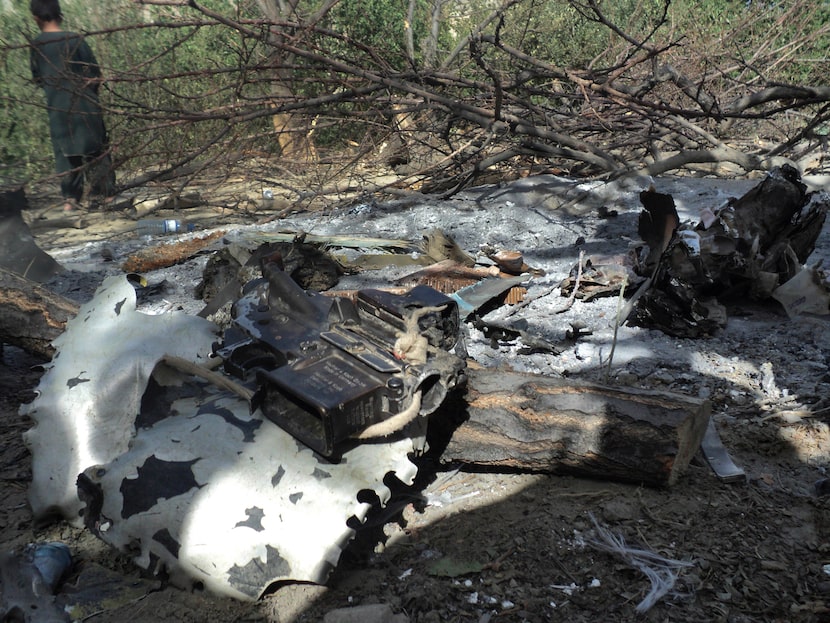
[(163, 226)]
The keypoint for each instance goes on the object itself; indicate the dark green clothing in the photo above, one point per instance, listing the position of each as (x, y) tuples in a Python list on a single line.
[(62, 63)]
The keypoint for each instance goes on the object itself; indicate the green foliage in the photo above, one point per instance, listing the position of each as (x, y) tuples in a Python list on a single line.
[(791, 37), (377, 24), (158, 70), (25, 149), (558, 33), (374, 34), (165, 73)]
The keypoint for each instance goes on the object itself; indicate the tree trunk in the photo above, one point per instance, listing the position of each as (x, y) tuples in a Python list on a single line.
[(293, 130)]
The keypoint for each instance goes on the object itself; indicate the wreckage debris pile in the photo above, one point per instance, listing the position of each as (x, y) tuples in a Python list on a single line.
[(745, 249), (685, 274)]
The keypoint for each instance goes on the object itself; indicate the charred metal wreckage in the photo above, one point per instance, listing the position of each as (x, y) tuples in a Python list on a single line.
[(330, 370), (744, 250), (156, 461), (685, 274)]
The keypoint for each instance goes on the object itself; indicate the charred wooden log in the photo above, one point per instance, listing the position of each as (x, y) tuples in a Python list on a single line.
[(32, 316), (545, 424)]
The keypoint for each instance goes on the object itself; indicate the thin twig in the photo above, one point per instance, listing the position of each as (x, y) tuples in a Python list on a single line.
[(617, 322), (569, 303)]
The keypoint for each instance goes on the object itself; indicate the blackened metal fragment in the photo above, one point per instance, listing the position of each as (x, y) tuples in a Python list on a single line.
[(252, 577), (157, 480), (254, 520), (168, 541)]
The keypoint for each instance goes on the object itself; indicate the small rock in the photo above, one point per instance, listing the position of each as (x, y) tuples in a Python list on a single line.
[(371, 613), (619, 510), (663, 376), (626, 378)]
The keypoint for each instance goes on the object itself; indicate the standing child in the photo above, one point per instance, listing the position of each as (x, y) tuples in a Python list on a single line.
[(64, 65)]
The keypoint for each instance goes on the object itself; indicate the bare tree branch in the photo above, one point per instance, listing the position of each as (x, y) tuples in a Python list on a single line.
[(658, 104)]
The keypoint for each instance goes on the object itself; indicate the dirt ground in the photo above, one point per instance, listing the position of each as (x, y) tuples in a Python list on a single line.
[(472, 546)]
